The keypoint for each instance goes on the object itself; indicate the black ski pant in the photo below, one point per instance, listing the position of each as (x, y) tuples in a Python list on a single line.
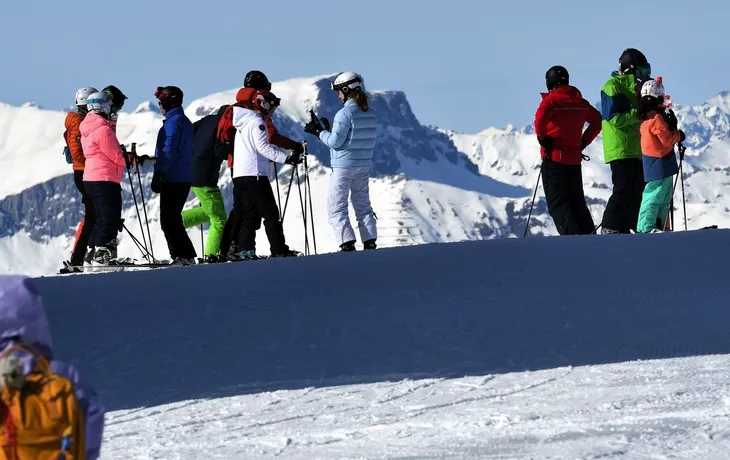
[(563, 185), (106, 197), (257, 202), (232, 229), (622, 209), (85, 234), (173, 196)]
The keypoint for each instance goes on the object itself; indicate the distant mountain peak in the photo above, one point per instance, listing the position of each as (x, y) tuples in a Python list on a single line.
[(146, 107)]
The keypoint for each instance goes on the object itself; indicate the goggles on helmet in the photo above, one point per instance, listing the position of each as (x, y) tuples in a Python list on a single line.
[(643, 71), (159, 94)]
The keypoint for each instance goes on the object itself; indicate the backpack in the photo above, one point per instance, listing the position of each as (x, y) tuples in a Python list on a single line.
[(67, 154), (39, 412), (66, 150), (226, 132)]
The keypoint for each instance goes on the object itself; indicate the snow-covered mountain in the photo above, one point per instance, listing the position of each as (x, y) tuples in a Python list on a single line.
[(429, 184)]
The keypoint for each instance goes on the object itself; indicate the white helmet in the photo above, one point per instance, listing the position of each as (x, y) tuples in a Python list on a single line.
[(99, 102), (348, 81), (83, 94), (653, 88)]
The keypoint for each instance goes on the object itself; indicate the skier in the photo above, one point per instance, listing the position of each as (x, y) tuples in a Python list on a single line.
[(23, 322), (118, 99), (72, 136), (173, 172), (255, 80), (105, 164), (252, 152), (621, 144), (559, 123), (351, 143), (659, 133), (207, 161)]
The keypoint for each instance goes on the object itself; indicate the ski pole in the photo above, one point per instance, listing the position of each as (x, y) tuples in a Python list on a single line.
[(278, 196), (684, 203), (288, 192), (144, 204), (202, 244), (304, 215), (136, 206), (308, 187), (534, 195), (145, 253), (681, 149)]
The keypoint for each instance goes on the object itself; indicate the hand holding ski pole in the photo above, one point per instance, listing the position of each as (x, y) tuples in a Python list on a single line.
[(314, 126), (326, 124)]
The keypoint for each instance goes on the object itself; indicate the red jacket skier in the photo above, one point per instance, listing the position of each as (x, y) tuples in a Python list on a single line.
[(560, 119), (559, 123)]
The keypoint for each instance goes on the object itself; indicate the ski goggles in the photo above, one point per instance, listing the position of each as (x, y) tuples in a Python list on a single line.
[(643, 71), (159, 94)]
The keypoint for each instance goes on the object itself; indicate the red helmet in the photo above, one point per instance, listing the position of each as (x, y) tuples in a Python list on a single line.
[(265, 102)]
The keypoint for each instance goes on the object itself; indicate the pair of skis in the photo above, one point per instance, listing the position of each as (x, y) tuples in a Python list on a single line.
[(122, 265)]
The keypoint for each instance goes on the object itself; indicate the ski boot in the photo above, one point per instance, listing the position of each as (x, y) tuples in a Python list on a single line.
[(105, 254), (369, 244), (233, 253), (89, 257), (182, 261), (69, 268), (212, 259), (348, 246), (288, 253)]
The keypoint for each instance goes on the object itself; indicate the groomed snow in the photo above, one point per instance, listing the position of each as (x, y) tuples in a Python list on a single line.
[(676, 408), (541, 348)]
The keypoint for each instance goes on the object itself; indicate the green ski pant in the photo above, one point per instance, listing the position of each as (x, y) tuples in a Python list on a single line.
[(654, 204), (213, 210)]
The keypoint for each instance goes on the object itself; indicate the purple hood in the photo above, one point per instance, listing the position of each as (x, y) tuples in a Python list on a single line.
[(21, 313), (23, 319)]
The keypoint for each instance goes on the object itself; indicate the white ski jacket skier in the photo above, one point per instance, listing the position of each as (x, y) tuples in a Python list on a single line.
[(251, 148)]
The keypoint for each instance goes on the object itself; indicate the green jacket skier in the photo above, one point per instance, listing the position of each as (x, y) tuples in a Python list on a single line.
[(621, 143)]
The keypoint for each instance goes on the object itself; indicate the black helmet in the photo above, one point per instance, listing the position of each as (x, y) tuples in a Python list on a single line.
[(117, 95), (556, 76), (169, 97), (633, 60), (257, 80)]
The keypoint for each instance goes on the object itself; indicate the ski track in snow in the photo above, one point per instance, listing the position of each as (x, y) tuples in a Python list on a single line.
[(675, 408)]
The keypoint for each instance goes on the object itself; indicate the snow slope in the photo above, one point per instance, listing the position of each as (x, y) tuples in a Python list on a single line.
[(576, 347)]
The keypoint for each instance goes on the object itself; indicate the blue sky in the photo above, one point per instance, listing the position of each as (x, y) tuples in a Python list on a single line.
[(465, 65)]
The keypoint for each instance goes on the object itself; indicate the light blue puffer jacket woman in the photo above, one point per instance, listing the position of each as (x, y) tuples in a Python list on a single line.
[(353, 136)]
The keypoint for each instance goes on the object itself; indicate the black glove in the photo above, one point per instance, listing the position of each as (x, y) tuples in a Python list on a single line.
[(547, 144), (313, 127), (681, 148), (671, 119), (299, 149), (294, 158), (682, 137), (121, 225), (326, 124), (157, 180), (146, 159)]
